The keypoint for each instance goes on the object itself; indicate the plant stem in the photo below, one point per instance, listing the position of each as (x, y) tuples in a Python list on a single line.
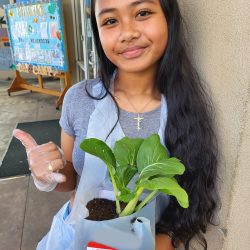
[(146, 200), (118, 207), (129, 209)]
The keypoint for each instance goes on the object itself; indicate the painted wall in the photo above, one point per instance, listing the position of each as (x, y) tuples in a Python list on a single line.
[(219, 35)]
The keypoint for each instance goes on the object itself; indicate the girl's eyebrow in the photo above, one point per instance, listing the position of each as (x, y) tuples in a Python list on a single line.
[(133, 4), (141, 1), (107, 10)]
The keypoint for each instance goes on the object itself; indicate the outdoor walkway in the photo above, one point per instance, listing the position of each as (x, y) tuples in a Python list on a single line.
[(25, 212)]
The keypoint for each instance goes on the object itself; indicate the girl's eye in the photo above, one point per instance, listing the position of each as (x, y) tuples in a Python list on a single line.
[(144, 13), (109, 21)]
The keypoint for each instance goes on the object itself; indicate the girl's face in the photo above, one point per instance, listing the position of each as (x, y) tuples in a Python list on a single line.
[(133, 33)]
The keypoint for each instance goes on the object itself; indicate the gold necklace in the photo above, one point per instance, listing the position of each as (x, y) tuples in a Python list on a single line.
[(139, 117)]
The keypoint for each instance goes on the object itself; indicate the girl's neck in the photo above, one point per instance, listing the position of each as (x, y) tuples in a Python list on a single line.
[(142, 83), (136, 92)]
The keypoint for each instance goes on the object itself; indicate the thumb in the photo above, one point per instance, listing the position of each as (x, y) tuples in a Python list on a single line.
[(26, 139)]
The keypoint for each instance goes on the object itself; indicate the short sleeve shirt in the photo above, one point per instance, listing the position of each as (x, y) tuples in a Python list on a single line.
[(77, 109)]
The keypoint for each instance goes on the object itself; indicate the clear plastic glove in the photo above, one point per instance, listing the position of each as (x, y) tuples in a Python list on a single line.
[(44, 160)]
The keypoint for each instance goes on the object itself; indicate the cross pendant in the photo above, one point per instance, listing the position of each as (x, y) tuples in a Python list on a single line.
[(139, 120)]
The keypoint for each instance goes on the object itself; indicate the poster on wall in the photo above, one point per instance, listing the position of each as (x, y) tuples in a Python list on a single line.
[(36, 33)]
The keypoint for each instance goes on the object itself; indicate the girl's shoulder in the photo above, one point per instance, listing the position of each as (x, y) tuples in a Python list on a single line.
[(81, 92), (84, 87), (77, 107)]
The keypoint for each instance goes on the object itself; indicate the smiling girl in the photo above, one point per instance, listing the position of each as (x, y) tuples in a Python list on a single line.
[(143, 66)]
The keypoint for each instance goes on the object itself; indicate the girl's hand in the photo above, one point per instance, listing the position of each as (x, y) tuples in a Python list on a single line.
[(44, 160)]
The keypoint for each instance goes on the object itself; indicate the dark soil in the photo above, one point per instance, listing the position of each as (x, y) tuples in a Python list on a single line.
[(102, 209)]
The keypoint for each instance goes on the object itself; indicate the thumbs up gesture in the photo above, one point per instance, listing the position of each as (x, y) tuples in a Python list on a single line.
[(44, 160)]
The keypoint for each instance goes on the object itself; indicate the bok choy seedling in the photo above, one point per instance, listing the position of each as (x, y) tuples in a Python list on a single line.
[(146, 159)]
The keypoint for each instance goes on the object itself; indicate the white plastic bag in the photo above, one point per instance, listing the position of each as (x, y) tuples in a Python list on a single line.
[(133, 232), (61, 234)]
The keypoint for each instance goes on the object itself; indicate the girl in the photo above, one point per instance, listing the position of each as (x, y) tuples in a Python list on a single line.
[(143, 66)]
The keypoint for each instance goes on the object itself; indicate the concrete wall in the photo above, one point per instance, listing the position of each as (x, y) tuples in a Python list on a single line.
[(219, 35)]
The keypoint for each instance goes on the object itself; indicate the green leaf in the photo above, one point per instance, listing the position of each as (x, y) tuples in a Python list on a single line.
[(127, 197), (151, 151), (168, 167), (123, 175), (99, 149), (168, 186), (181, 196), (126, 149), (125, 191)]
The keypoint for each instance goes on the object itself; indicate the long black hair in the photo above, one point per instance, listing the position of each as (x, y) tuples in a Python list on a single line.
[(189, 132)]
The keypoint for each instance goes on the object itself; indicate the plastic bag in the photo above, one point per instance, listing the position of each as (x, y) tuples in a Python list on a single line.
[(61, 234), (133, 232)]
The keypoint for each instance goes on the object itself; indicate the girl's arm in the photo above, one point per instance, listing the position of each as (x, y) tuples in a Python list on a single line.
[(67, 144), (163, 242)]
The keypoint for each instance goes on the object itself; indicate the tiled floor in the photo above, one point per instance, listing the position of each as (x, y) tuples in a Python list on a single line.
[(25, 212)]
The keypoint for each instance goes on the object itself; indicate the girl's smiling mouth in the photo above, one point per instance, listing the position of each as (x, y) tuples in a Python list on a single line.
[(132, 52)]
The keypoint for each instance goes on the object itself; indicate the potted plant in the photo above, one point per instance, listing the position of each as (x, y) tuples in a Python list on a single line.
[(146, 164)]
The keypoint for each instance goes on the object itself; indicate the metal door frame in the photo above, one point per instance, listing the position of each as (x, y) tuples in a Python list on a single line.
[(84, 64)]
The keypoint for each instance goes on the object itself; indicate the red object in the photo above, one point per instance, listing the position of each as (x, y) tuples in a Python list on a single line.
[(94, 246), (4, 39)]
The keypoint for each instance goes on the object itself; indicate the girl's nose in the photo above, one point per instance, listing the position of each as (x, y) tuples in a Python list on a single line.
[(128, 33)]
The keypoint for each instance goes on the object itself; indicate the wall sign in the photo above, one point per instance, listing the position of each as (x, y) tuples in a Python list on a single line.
[(36, 33)]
